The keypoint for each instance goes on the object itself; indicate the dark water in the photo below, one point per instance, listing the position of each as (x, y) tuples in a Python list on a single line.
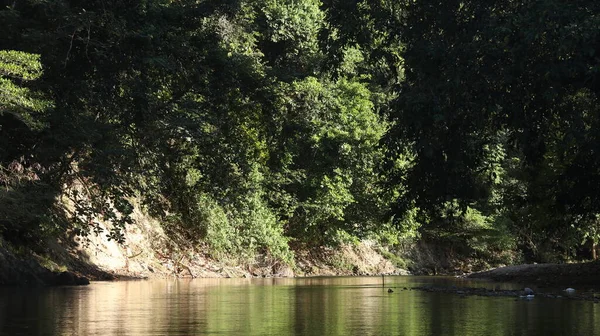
[(309, 306)]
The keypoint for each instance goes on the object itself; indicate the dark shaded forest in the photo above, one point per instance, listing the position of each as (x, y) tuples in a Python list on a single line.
[(258, 126)]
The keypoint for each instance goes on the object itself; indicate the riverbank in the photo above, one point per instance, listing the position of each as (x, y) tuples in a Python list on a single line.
[(24, 267), (150, 252), (580, 274)]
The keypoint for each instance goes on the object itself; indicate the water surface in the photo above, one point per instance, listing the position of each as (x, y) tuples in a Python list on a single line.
[(304, 306)]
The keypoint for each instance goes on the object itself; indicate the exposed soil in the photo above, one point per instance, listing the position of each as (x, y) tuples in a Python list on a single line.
[(150, 252), (360, 259)]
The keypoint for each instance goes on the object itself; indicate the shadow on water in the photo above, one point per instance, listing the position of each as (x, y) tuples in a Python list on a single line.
[(304, 306)]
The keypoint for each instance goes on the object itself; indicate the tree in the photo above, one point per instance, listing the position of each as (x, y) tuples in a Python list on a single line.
[(516, 75)]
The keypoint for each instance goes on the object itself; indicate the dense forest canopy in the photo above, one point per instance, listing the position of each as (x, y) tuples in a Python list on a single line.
[(254, 126)]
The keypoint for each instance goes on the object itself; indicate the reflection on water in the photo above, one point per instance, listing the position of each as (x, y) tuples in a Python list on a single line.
[(308, 306)]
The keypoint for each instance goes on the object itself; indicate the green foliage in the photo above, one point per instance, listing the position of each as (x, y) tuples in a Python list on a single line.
[(496, 109), (296, 22), (240, 228), (395, 259), (20, 65), (17, 68), (287, 33), (248, 124), (326, 155), (22, 115)]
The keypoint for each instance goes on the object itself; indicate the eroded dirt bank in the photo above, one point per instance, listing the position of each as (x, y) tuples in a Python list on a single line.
[(149, 252)]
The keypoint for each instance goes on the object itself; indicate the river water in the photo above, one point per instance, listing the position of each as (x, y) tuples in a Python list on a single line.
[(303, 306)]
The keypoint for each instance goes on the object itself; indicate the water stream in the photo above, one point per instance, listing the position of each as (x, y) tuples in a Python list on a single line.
[(303, 306)]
